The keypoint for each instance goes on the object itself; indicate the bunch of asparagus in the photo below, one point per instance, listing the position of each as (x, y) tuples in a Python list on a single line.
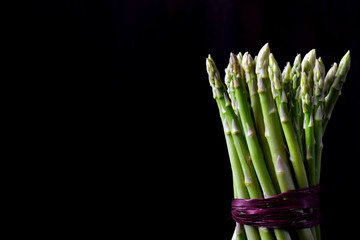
[(274, 123)]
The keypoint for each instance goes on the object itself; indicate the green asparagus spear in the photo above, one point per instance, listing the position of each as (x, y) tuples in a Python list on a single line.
[(329, 78), (273, 129), (286, 77), (239, 181), (296, 107), (272, 124), (307, 67), (309, 128), (247, 164), (249, 128), (234, 155), (251, 138), (319, 75), (335, 89), (230, 88), (240, 145), (296, 157), (249, 66)]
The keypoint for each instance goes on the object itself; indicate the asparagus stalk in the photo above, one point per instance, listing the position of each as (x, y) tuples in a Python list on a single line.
[(319, 75), (307, 66), (309, 128), (286, 77), (307, 107), (240, 145), (234, 155), (296, 157), (238, 138), (296, 108), (318, 97), (329, 79), (249, 172), (239, 182), (272, 123), (224, 105), (253, 144), (249, 128), (230, 88), (335, 89), (249, 66), (272, 126), (273, 129)]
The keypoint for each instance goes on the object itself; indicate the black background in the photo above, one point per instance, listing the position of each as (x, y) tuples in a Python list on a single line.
[(128, 83)]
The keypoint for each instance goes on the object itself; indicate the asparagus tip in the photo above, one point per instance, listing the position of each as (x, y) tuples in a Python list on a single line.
[(322, 67), (262, 61), (234, 64), (317, 71), (329, 78), (308, 61), (276, 73), (297, 60), (311, 57), (344, 64), (210, 70), (239, 57), (286, 74), (247, 62)]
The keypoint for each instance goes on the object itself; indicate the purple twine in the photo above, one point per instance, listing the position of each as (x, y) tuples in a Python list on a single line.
[(297, 208)]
